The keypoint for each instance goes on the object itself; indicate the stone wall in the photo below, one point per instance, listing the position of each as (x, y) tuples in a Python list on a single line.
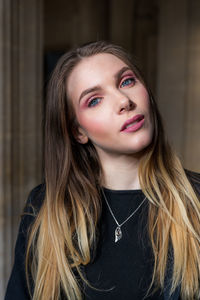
[(178, 88), (20, 117)]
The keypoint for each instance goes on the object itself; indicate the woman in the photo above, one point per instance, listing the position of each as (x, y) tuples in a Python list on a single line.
[(118, 217)]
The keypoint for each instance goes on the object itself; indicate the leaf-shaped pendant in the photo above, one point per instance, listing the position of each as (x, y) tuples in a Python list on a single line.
[(118, 234)]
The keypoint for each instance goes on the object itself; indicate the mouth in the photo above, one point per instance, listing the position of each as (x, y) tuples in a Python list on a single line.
[(133, 124)]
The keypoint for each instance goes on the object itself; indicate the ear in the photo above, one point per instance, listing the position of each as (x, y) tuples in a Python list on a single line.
[(81, 136)]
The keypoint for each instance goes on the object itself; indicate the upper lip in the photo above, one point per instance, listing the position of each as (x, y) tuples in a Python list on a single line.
[(133, 119)]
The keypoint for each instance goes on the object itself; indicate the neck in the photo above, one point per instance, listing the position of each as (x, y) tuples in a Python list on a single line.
[(120, 172)]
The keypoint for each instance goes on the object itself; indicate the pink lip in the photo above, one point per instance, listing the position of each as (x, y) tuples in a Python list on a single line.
[(140, 121)]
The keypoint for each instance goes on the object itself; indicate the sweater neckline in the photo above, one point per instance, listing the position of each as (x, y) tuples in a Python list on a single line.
[(111, 191)]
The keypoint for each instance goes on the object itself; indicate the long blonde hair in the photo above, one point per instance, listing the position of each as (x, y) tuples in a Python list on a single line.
[(64, 232)]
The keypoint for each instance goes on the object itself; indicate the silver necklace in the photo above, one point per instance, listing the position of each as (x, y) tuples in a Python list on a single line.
[(118, 231)]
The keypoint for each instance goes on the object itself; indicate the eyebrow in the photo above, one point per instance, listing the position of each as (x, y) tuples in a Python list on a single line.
[(97, 88), (121, 71)]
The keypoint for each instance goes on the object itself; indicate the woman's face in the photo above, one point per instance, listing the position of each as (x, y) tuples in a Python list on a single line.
[(111, 105)]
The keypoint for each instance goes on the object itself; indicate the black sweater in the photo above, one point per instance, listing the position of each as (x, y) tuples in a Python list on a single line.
[(123, 269)]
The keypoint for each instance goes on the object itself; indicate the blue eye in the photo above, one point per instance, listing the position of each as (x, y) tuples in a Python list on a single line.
[(127, 81), (94, 102)]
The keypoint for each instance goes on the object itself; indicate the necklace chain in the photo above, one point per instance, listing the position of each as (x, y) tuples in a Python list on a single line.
[(118, 232)]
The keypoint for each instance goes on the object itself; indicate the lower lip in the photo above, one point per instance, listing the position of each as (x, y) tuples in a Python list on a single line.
[(134, 127)]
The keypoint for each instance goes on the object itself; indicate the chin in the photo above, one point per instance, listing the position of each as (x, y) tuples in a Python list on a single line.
[(142, 144)]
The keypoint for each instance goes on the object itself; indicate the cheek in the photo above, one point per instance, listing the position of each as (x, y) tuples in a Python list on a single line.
[(93, 126), (147, 107), (146, 102), (141, 97), (145, 97)]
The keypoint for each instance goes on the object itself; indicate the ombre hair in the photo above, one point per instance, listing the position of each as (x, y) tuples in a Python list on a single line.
[(63, 236)]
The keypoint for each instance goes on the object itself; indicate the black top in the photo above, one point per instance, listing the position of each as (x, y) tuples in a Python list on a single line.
[(125, 268), (122, 270)]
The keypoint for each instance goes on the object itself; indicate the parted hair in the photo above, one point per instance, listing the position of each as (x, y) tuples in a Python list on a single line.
[(64, 232)]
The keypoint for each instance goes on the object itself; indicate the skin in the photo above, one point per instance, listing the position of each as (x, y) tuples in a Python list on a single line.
[(105, 94)]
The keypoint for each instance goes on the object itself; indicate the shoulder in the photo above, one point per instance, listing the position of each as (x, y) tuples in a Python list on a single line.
[(35, 200), (32, 207), (194, 179), (17, 285)]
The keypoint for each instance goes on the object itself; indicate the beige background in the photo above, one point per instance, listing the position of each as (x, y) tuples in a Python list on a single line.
[(164, 35)]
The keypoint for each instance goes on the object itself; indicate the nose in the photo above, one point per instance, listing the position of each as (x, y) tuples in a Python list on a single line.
[(126, 104)]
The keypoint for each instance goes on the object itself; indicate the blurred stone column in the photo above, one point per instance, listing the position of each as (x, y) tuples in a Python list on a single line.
[(178, 76), (172, 68), (192, 109), (20, 117), (121, 23)]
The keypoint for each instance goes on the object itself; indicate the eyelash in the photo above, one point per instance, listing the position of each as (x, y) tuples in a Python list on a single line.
[(133, 80), (91, 101)]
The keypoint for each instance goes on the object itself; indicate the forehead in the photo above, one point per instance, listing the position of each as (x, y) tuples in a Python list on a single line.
[(101, 61), (93, 70)]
